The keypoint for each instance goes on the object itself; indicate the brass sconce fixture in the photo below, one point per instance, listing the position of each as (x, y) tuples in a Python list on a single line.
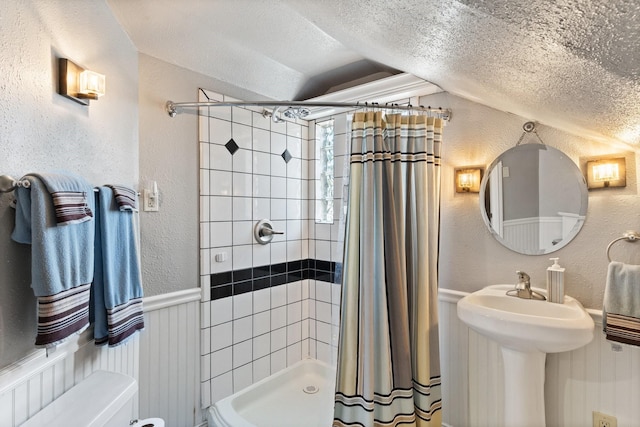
[(606, 173), (79, 84), (467, 180)]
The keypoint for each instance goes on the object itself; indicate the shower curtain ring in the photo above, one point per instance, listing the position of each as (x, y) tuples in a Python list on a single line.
[(274, 116)]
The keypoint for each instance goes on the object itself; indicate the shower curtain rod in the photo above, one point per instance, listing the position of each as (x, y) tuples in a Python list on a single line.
[(302, 107)]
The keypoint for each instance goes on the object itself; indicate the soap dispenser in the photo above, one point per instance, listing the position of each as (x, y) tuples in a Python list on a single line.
[(555, 282)]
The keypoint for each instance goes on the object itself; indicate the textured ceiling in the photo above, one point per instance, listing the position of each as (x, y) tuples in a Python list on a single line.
[(571, 64)]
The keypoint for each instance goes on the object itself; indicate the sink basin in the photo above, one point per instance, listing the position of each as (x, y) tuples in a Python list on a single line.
[(526, 330), (526, 325)]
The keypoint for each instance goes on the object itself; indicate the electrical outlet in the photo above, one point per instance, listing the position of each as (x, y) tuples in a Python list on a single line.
[(604, 420), (150, 200)]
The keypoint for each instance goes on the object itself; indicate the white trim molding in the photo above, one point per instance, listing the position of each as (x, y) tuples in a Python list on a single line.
[(39, 360), (158, 302), (387, 90)]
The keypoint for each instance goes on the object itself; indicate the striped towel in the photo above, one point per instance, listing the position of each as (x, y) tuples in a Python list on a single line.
[(621, 328), (122, 322), (69, 194), (621, 308), (117, 285), (62, 315), (126, 198), (61, 262)]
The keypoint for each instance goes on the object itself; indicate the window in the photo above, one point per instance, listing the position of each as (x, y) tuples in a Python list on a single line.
[(324, 171)]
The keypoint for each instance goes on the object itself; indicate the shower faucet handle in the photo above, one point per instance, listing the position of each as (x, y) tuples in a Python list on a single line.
[(264, 232)]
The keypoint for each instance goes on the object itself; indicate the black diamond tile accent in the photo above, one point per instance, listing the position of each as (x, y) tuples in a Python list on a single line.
[(232, 146), (286, 155)]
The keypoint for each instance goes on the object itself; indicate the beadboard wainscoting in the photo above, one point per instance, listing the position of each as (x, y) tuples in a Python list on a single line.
[(169, 386), (33, 382), (597, 377), (454, 339)]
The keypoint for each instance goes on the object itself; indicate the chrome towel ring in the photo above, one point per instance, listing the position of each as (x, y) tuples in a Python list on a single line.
[(629, 236)]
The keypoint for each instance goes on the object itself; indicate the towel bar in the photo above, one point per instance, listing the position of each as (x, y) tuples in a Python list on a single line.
[(8, 184), (629, 236)]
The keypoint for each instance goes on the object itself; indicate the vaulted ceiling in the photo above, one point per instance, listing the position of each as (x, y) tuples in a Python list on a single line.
[(571, 64)]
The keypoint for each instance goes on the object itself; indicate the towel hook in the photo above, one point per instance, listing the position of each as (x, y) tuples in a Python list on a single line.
[(629, 236)]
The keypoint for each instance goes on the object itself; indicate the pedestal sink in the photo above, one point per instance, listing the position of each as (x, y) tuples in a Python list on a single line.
[(526, 330)]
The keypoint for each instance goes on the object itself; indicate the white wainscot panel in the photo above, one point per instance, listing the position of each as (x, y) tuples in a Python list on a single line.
[(33, 382), (169, 386), (454, 347)]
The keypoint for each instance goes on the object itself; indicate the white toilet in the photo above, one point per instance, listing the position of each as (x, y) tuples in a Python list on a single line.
[(103, 399)]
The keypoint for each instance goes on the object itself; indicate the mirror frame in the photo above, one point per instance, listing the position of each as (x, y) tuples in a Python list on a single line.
[(584, 204)]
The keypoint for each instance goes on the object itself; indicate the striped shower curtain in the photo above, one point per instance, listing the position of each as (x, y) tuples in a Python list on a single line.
[(388, 371)]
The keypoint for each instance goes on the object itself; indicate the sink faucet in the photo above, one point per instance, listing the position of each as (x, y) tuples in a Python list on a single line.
[(523, 288)]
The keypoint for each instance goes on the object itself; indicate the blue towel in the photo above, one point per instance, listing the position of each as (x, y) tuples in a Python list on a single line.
[(61, 260), (126, 197), (621, 307), (117, 293), (69, 194)]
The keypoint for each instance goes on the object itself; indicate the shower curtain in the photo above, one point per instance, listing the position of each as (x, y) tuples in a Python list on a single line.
[(388, 371)]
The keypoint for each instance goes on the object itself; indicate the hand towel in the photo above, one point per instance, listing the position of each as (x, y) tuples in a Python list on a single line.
[(69, 194), (61, 260), (117, 286), (621, 308), (126, 197)]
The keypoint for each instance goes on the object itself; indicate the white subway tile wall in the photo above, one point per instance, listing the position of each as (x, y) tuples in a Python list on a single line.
[(264, 306)]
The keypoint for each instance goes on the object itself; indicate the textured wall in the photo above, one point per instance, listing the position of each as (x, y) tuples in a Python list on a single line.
[(40, 130), (169, 156), (469, 256)]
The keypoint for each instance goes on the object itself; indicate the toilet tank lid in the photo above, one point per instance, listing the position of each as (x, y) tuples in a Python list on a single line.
[(91, 402)]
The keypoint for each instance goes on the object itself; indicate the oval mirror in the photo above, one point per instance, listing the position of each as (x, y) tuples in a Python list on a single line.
[(534, 199)]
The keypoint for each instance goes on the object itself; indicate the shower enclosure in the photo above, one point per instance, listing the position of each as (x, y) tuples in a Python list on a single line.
[(265, 306)]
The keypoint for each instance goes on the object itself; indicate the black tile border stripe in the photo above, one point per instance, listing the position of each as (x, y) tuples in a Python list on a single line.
[(237, 282)]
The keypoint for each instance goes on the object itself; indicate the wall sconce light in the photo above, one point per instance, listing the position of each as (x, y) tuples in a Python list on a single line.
[(79, 84), (468, 180), (607, 173)]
